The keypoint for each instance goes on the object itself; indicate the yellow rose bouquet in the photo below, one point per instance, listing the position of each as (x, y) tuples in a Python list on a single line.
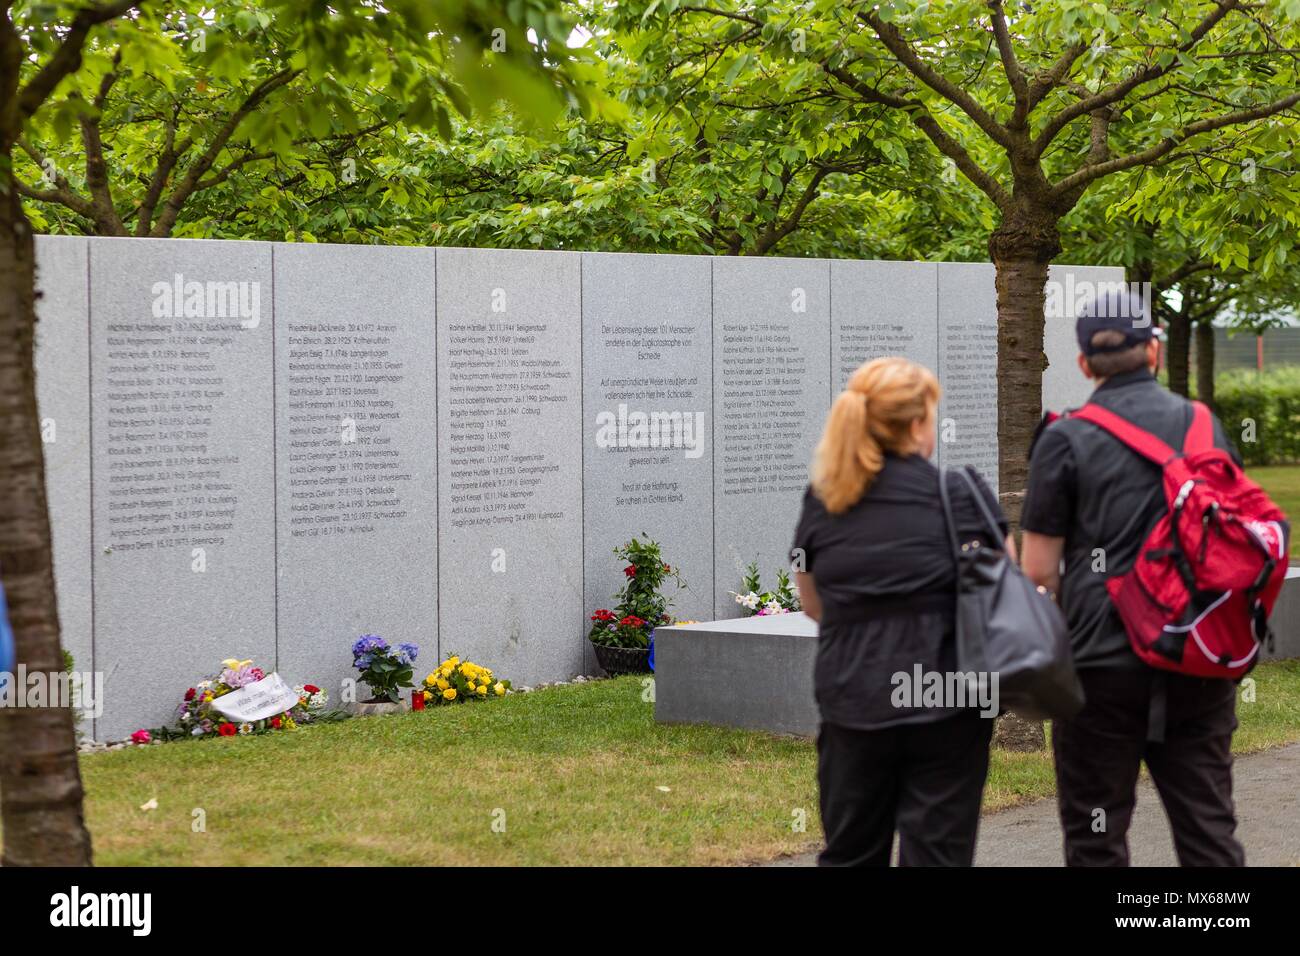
[(458, 682)]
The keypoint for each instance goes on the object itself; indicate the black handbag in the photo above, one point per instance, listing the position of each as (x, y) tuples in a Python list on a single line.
[(1006, 626)]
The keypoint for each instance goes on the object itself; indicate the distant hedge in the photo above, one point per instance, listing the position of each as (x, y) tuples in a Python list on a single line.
[(1271, 401)]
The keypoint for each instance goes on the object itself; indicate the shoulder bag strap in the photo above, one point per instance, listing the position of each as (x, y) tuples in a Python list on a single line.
[(990, 522), (946, 503)]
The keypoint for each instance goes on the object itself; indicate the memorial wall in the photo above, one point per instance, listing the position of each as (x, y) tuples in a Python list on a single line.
[(265, 450)]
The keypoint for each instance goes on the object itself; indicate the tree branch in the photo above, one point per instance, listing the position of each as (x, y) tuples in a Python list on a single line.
[(903, 52), (1146, 157), (67, 58), (926, 122), (1010, 65), (186, 187), (1117, 91)]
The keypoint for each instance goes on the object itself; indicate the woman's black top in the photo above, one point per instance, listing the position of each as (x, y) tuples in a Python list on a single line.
[(886, 577)]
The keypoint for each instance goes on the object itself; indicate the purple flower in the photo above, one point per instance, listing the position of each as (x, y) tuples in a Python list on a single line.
[(407, 653), (368, 643)]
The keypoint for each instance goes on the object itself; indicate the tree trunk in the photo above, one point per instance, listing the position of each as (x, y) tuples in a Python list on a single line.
[(40, 782), (1178, 351), (1205, 363), (1021, 248)]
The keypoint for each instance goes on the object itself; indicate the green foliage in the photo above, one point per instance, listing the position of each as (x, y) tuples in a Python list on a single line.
[(257, 97), (1261, 412)]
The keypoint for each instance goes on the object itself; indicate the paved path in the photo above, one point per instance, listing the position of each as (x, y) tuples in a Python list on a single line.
[(1266, 787)]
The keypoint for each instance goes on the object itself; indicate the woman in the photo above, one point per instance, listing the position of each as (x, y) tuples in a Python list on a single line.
[(877, 572)]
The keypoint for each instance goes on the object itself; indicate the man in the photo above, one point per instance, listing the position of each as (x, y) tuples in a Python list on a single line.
[(1091, 501)]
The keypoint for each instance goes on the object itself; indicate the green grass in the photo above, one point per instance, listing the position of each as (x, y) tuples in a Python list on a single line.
[(576, 771), (1282, 482)]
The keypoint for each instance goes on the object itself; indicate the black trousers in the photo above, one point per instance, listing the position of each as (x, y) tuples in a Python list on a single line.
[(925, 780), (1098, 754)]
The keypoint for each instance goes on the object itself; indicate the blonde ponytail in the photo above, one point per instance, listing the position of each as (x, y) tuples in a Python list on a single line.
[(873, 415)]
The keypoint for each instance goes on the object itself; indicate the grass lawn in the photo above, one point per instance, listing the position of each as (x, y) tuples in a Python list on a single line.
[(1282, 482), (578, 772)]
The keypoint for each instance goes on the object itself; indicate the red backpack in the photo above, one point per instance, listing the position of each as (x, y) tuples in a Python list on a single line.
[(1198, 597)]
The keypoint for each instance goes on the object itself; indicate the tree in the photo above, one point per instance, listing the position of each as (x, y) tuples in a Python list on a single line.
[(1214, 232), (702, 177), (435, 56), (1034, 107)]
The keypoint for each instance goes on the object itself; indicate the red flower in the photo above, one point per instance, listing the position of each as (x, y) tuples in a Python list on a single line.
[(632, 621), (603, 615), (630, 570), (227, 730), (275, 722), (258, 673), (311, 688), (189, 694)]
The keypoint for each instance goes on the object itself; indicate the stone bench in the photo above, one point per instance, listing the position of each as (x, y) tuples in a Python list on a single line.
[(756, 672)]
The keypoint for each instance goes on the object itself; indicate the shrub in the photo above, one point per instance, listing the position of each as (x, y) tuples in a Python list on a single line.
[(1261, 413)]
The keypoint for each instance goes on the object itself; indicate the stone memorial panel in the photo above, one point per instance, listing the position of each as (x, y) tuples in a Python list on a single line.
[(878, 309), (356, 474), (968, 365), (647, 400), (510, 457), (183, 468), (771, 376), (63, 392), (1064, 386)]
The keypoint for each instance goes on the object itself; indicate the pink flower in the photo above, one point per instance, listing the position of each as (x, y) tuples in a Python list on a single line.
[(141, 737)]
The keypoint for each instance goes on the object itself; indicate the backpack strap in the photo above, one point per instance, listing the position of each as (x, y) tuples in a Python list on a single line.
[(1200, 433), (1143, 442)]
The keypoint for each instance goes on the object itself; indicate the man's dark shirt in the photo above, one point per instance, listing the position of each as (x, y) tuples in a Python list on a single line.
[(1086, 487)]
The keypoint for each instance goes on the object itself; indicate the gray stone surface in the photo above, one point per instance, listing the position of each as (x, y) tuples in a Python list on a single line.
[(63, 393), (1064, 386), (183, 468), (753, 672), (647, 348), (357, 505), (968, 361), (1264, 788), (1286, 618), (771, 373), (196, 441), (881, 308), (510, 461)]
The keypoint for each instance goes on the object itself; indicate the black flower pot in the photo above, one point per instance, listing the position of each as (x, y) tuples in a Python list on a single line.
[(622, 660)]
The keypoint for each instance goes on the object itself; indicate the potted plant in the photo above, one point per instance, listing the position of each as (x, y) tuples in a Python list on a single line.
[(621, 637), (385, 670)]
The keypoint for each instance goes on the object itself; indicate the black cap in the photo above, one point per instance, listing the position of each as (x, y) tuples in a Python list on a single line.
[(1117, 308)]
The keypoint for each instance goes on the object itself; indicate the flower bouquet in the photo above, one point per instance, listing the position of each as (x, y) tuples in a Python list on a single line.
[(758, 602), (242, 700), (459, 682), (385, 670)]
